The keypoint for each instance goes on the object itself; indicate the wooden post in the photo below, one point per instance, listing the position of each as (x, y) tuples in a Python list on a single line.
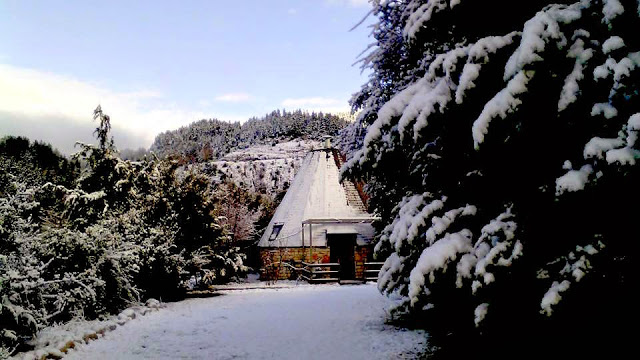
[(310, 244)]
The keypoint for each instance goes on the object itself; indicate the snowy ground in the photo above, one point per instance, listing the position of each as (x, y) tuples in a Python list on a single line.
[(304, 322)]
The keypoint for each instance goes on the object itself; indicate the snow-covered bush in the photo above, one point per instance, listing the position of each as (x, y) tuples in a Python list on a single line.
[(499, 140), (122, 232), (219, 267)]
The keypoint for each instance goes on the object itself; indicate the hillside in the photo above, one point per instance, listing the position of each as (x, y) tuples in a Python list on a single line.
[(262, 169), (212, 139)]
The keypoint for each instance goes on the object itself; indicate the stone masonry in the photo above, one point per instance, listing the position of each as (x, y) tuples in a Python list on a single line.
[(273, 259)]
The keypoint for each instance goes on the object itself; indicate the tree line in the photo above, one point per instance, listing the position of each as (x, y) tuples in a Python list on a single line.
[(211, 139)]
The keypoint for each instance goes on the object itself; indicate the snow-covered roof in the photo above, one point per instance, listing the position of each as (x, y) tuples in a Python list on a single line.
[(316, 193)]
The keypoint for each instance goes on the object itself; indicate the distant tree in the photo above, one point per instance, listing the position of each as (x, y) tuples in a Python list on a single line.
[(101, 174), (238, 210), (102, 132)]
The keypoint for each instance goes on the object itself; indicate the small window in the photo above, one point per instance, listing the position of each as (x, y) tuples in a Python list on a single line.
[(276, 230)]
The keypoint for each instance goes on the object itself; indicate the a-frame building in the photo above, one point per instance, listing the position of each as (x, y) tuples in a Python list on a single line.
[(320, 220)]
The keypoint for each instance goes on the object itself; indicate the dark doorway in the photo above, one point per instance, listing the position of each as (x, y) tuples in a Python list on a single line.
[(341, 248)]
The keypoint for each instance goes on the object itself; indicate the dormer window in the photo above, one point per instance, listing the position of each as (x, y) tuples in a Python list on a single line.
[(276, 230)]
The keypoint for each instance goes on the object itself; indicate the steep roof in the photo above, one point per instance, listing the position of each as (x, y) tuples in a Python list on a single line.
[(316, 193)]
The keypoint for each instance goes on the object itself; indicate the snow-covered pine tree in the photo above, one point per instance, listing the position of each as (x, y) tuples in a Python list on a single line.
[(500, 150)]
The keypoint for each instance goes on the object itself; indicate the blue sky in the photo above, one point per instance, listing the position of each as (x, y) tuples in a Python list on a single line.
[(159, 65)]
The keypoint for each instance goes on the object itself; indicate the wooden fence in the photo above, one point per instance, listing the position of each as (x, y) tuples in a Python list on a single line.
[(330, 272), (317, 273), (371, 270)]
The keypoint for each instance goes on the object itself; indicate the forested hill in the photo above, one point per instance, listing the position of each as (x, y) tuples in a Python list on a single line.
[(211, 139), (33, 163)]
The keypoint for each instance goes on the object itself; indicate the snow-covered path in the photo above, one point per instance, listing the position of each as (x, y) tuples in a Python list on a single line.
[(306, 322)]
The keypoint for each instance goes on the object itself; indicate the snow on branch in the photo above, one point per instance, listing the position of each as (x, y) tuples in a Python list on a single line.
[(480, 313), (611, 10), (422, 14), (623, 156), (435, 257), (496, 238), (552, 296), (611, 44), (412, 215), (616, 150), (430, 94), (577, 265), (620, 69), (605, 109), (478, 55), (429, 99), (540, 30), (503, 103), (570, 90), (441, 224), (597, 147), (390, 273), (573, 180)]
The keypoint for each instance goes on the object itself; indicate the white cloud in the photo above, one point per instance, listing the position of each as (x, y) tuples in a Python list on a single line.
[(292, 11), (34, 94), (316, 104), (234, 97)]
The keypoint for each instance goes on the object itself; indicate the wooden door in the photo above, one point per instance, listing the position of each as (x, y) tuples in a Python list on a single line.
[(341, 250)]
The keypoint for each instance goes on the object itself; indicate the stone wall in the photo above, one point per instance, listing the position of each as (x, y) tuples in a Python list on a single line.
[(273, 259), (361, 255)]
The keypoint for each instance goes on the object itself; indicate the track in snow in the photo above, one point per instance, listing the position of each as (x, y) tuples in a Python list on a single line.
[(306, 322)]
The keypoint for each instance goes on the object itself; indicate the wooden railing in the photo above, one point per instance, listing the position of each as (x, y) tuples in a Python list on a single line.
[(371, 270), (330, 272), (323, 272)]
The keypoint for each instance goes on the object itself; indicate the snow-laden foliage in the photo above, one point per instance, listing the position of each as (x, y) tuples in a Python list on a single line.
[(495, 139), (121, 232), (35, 163)]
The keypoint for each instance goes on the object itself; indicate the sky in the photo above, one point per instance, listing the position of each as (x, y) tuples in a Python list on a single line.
[(159, 65)]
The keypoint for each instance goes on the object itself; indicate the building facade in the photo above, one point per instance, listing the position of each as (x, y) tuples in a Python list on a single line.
[(319, 221)]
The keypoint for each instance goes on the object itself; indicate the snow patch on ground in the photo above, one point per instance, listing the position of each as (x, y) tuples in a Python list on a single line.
[(328, 322), (55, 341)]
